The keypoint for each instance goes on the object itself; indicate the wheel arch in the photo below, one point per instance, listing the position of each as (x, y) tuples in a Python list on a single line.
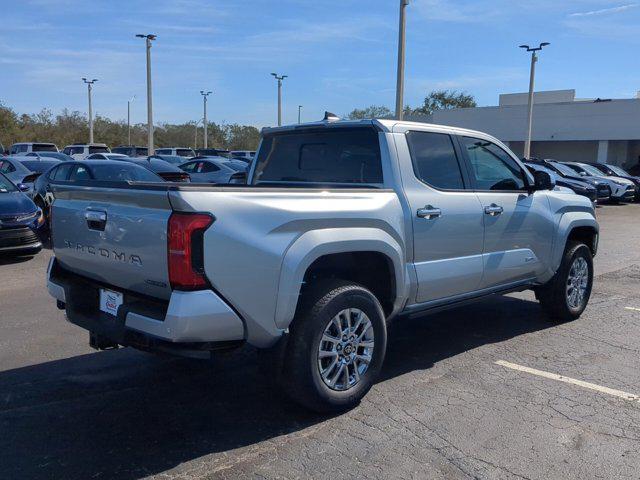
[(355, 253), (575, 226)]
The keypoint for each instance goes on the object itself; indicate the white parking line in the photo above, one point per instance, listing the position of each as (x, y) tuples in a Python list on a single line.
[(572, 381), (633, 308)]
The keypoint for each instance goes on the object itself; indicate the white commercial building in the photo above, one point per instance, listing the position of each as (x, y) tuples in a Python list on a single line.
[(564, 127)]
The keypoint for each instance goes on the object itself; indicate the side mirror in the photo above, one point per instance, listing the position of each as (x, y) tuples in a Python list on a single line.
[(543, 181), (583, 174), (23, 187)]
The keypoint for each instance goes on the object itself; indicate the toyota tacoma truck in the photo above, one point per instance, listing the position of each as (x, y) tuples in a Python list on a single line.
[(341, 227)]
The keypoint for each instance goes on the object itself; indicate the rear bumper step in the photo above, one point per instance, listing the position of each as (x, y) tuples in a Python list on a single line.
[(189, 321)]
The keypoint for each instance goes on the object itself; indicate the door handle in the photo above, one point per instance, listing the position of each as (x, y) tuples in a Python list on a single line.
[(493, 210), (429, 212), (96, 219)]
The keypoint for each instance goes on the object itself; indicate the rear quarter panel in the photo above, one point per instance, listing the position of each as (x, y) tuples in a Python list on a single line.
[(263, 239)]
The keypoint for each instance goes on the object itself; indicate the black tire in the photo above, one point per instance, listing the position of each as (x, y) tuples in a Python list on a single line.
[(299, 371), (553, 295)]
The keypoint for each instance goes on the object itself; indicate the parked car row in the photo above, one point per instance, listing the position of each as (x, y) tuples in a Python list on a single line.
[(612, 185), (20, 220), (79, 151)]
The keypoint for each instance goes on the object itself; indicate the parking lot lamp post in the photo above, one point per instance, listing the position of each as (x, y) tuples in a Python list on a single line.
[(279, 78), (148, 39), (401, 45), (299, 109), (204, 97), (532, 75), (129, 119), (89, 88)]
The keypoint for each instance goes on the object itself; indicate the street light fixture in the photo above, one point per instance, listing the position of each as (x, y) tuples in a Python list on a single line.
[(204, 97), (148, 39), (279, 78), (401, 45), (89, 88), (534, 58), (129, 119)]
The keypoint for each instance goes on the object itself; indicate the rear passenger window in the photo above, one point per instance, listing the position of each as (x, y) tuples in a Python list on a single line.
[(6, 167), (434, 160), (80, 173), (335, 156), (60, 172), (189, 167), (208, 167)]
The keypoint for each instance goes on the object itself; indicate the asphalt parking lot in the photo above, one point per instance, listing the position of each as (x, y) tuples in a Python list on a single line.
[(490, 390)]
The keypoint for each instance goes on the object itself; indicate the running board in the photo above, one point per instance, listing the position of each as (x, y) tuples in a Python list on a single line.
[(433, 306)]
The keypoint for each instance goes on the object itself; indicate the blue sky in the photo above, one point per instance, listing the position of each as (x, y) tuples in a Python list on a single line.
[(339, 54)]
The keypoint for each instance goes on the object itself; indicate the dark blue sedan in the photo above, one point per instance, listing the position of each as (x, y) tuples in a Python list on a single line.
[(20, 221)]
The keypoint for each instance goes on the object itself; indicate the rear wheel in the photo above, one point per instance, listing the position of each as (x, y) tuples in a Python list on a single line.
[(336, 347), (566, 295)]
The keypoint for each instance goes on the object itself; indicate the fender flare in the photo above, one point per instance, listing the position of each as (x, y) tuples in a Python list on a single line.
[(314, 244), (568, 222)]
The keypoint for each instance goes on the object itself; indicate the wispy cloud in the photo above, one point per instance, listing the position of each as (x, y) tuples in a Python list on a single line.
[(456, 11), (605, 11)]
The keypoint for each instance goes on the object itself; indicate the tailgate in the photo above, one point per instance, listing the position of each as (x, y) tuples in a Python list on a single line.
[(117, 236)]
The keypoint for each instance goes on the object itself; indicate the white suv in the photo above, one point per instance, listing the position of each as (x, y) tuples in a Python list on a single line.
[(80, 151), (244, 154), (28, 147), (176, 151)]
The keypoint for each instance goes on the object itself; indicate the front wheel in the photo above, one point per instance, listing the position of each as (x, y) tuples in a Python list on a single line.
[(336, 347), (566, 295)]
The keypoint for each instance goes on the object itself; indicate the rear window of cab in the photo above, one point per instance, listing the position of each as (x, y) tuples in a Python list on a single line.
[(341, 156)]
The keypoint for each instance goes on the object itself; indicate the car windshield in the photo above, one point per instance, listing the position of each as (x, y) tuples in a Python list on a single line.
[(172, 159), (593, 171), (540, 168), (618, 171), (40, 166), (563, 169), (122, 173), (6, 186), (185, 152), (57, 155), (44, 147), (98, 150), (237, 166)]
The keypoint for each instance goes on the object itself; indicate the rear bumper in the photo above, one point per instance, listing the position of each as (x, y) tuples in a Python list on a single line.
[(199, 319)]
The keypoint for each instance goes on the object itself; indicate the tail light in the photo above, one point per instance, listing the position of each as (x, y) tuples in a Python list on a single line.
[(240, 177), (185, 250), (175, 177)]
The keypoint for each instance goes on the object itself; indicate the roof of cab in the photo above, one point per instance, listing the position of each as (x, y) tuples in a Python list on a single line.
[(384, 125)]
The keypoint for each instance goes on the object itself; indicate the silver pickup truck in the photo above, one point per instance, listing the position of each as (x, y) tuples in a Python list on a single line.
[(342, 227)]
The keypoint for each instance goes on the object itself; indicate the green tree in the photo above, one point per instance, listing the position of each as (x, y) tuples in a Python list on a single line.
[(374, 111), (72, 127), (444, 100)]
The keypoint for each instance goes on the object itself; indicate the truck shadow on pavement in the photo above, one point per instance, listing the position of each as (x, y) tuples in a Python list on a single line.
[(127, 414)]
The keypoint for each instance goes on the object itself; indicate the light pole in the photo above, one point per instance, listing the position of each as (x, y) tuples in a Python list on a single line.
[(534, 59), (148, 39), (204, 97), (129, 119), (279, 79), (89, 88), (299, 109), (401, 44)]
